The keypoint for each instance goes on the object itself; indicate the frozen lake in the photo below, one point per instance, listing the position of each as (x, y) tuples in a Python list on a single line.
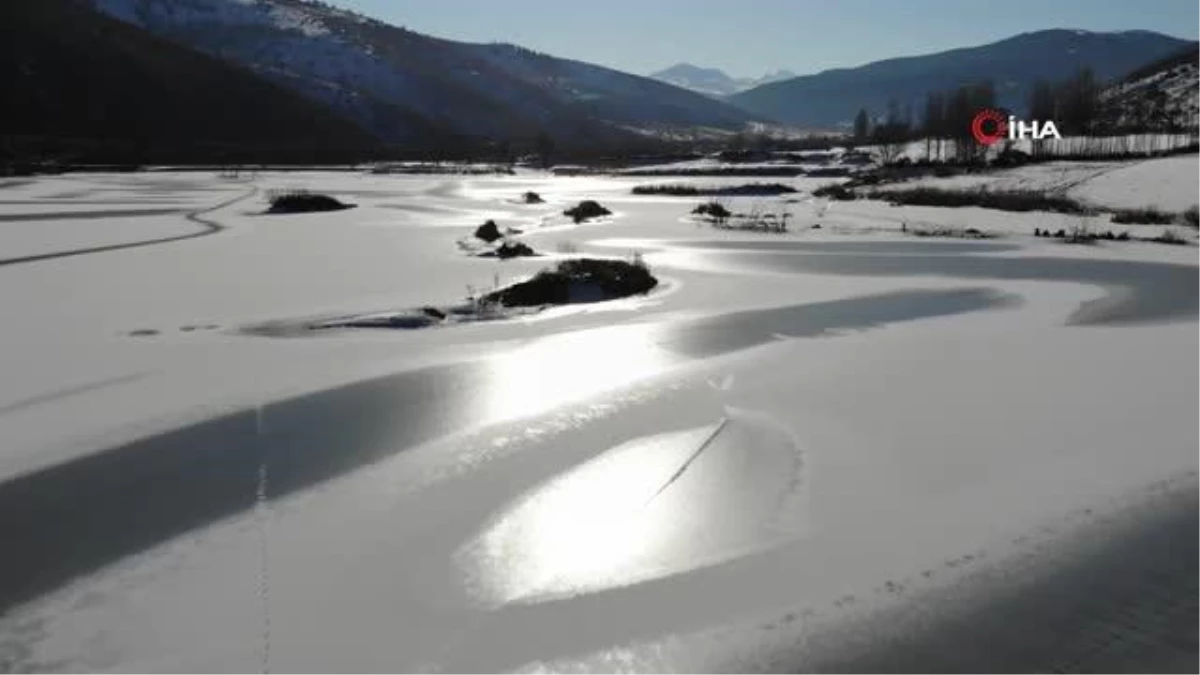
[(797, 444)]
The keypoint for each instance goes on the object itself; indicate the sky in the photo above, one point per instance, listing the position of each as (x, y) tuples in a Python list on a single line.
[(752, 37)]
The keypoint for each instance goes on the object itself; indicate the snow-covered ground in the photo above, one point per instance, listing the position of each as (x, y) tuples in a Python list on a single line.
[(1168, 183), (1053, 147), (793, 434)]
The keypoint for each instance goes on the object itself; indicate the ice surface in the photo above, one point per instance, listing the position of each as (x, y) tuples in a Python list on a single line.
[(487, 495)]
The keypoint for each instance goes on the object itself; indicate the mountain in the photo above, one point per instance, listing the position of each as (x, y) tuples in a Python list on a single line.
[(713, 81), (710, 81), (81, 85), (776, 76), (394, 81), (831, 98), (1162, 95)]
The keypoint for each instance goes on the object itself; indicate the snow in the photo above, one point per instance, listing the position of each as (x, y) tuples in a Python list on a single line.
[(713, 81), (289, 18), (793, 420), (38, 237), (1170, 183), (1067, 146), (1167, 183)]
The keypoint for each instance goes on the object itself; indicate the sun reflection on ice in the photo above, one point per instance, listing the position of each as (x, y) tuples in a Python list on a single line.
[(568, 368), (592, 526), (652, 507)]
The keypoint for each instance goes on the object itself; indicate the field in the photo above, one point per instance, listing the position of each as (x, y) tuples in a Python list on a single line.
[(797, 441)]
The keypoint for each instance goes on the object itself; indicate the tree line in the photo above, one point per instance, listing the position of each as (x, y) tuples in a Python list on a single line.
[(945, 121), (1074, 104)]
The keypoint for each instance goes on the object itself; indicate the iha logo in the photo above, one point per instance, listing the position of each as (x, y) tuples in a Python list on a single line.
[(991, 126)]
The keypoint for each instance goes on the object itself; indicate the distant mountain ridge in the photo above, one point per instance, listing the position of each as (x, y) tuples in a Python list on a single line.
[(831, 98), (396, 82), (714, 81)]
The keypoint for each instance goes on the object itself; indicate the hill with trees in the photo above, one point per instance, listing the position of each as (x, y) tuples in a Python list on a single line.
[(82, 87), (830, 99)]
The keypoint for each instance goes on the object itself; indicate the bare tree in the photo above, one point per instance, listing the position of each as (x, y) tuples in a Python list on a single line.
[(1079, 102), (1042, 101), (891, 136), (545, 149), (933, 122), (1043, 105), (962, 104), (862, 125)]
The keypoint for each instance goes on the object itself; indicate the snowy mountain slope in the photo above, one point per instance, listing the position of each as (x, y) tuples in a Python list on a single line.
[(389, 79), (86, 86), (1162, 95), (714, 81), (833, 97), (711, 81)]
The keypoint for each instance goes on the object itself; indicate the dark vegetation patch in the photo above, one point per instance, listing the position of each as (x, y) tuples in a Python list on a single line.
[(577, 281), (829, 172), (442, 169), (1083, 235), (576, 170), (1002, 200), (574, 281), (586, 210), (906, 170), (775, 223), (488, 232), (1010, 158), (747, 190), (713, 209), (1147, 216), (749, 171), (838, 193), (1168, 237), (809, 156), (304, 202), (947, 232), (758, 219), (510, 249), (1080, 235), (744, 156)]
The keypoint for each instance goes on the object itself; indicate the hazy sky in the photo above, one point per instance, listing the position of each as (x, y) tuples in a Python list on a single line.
[(751, 37)]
